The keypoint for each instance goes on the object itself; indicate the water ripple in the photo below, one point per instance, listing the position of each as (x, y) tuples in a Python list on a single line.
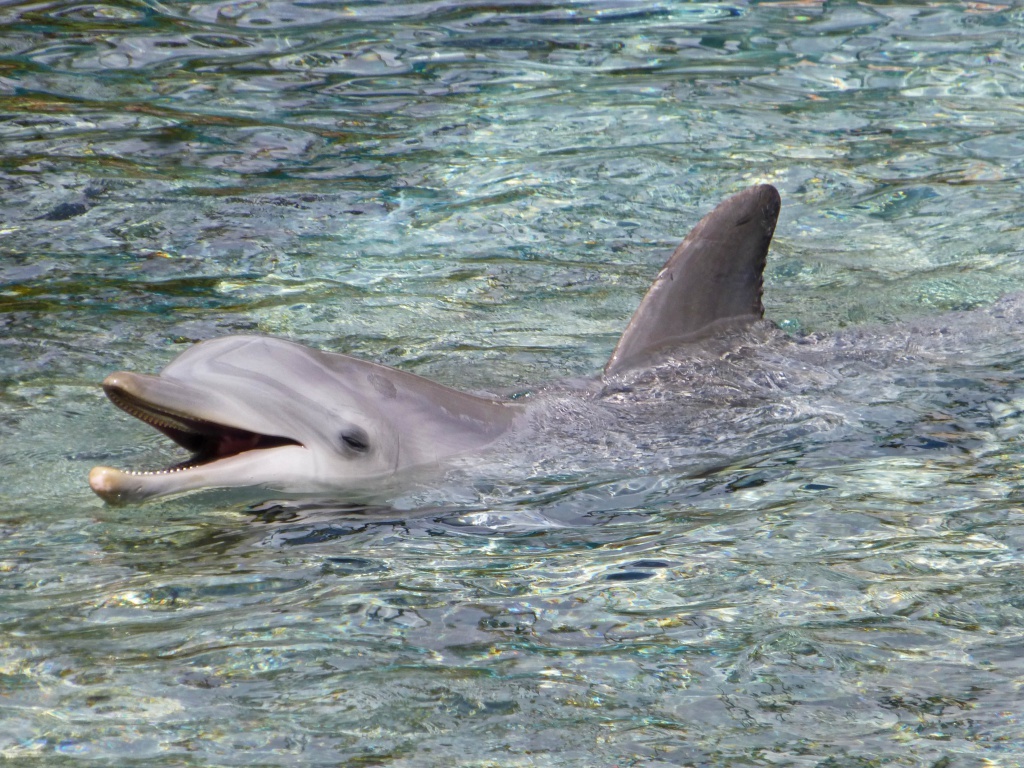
[(792, 550)]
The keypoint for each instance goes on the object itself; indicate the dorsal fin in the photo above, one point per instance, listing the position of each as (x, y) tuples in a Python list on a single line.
[(714, 276)]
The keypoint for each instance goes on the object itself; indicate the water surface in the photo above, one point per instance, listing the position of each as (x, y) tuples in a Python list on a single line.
[(794, 552)]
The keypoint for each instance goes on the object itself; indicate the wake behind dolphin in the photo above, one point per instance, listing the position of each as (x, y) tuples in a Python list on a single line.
[(259, 412)]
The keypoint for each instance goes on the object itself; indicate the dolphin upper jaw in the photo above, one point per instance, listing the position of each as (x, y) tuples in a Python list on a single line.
[(161, 404)]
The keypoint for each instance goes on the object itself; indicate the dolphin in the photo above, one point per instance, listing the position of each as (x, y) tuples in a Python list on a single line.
[(260, 412)]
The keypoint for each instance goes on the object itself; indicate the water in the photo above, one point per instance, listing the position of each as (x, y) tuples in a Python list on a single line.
[(814, 560)]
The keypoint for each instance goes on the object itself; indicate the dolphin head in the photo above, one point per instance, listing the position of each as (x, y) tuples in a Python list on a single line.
[(266, 413)]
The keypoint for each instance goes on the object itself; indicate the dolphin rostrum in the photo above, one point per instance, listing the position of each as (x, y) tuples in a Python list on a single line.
[(259, 412)]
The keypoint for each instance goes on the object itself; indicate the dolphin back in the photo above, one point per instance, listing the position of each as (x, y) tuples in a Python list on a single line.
[(713, 279)]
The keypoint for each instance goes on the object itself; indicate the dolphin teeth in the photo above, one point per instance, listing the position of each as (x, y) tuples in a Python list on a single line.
[(169, 471), (159, 419)]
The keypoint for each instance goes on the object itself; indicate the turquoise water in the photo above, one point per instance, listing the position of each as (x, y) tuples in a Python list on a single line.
[(789, 552)]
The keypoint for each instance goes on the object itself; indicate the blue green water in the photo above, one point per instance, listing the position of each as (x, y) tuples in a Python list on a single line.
[(480, 193)]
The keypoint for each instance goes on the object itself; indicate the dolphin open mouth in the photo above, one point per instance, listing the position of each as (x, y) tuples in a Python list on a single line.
[(207, 441), (210, 443)]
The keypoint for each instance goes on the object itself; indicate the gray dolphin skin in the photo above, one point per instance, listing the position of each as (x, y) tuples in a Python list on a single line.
[(259, 412), (713, 280)]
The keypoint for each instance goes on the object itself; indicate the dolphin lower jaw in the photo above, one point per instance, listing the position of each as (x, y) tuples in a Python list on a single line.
[(278, 468)]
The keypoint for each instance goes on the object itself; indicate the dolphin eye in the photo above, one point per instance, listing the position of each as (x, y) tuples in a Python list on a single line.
[(356, 439)]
